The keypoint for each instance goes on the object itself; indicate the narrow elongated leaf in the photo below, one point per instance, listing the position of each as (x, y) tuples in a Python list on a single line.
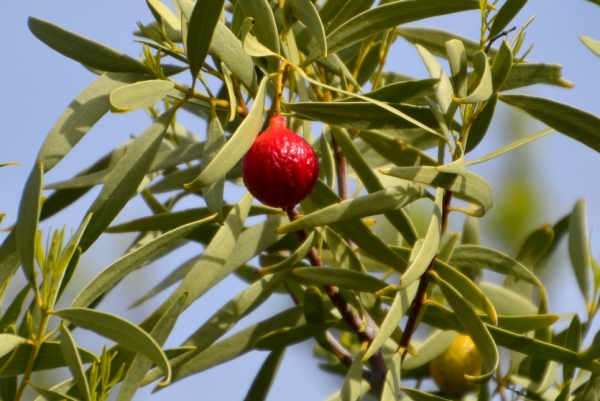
[(139, 95), (230, 92), (342, 253), (215, 140), (237, 146), (259, 390), (507, 302), (592, 44), (49, 357), (141, 364), (506, 13), (368, 205), (305, 11), (69, 350), (204, 274), (293, 259), (536, 246), (50, 395), (474, 189), (402, 302), (429, 247), (480, 125), (347, 11), (398, 92), (86, 51), (477, 256), (132, 261), (291, 335), (12, 313), (265, 27), (418, 395), (351, 390), (572, 342), (502, 65), (526, 74), (121, 331), (398, 218), (343, 278), (396, 151), (388, 16), (457, 56), (567, 120), (202, 24), (125, 178), (29, 214), (477, 330), (9, 342), (579, 247), (485, 88), (443, 90), (433, 346), (391, 387)]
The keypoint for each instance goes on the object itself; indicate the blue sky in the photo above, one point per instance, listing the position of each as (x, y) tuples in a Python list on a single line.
[(37, 84)]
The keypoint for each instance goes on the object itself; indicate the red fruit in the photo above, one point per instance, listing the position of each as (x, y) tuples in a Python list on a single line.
[(281, 168)]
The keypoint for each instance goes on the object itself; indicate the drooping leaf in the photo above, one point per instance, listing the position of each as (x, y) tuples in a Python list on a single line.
[(259, 390), (457, 57), (215, 140), (121, 331), (506, 14), (83, 50), (69, 350), (474, 189), (526, 74), (344, 278), (485, 88), (305, 12), (202, 24), (477, 256), (110, 276), (236, 147), (27, 223), (391, 386), (125, 179), (139, 95)]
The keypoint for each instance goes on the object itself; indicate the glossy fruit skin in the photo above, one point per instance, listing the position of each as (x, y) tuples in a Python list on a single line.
[(281, 168), (448, 369)]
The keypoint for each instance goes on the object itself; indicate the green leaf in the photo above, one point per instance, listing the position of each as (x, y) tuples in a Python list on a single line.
[(579, 247), (12, 313), (88, 52), (391, 386), (131, 261), (292, 260), (125, 178), (291, 335), (234, 345), (457, 56), (69, 350), (485, 88), (474, 189), (506, 14), (475, 328), (502, 65), (418, 395), (572, 342), (341, 251), (305, 11), (236, 147), (50, 395), (433, 346), (139, 95), (27, 223), (259, 390), (398, 218), (215, 140), (443, 90), (425, 253), (230, 92), (348, 10), (202, 25), (388, 16), (536, 246), (398, 92), (396, 151), (402, 301), (525, 74), (204, 274), (591, 44), (265, 27), (343, 278), (9, 342), (362, 115), (477, 256), (49, 357), (351, 389), (507, 302), (367, 205), (140, 365), (121, 331)]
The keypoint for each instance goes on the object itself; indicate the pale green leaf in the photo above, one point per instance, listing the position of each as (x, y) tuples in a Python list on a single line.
[(86, 51), (579, 247), (125, 178), (215, 140), (259, 390), (9, 342), (398, 92), (367, 205), (395, 150), (343, 278), (391, 386), (351, 389), (525, 74), (506, 13), (139, 95), (237, 146), (443, 90), (121, 331), (69, 350), (341, 251), (502, 65), (477, 256), (457, 56), (50, 395), (202, 24), (230, 92), (433, 346), (485, 88), (291, 335), (418, 395), (12, 313), (141, 364), (265, 27), (292, 260), (130, 262), (27, 223), (305, 11), (592, 44), (474, 189), (507, 302)]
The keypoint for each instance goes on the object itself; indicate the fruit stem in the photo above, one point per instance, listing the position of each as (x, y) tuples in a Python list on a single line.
[(378, 365), (279, 86)]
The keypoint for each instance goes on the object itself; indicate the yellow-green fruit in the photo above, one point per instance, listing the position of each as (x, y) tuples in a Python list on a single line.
[(450, 367)]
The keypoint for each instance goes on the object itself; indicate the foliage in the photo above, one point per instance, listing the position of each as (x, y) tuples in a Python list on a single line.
[(312, 61)]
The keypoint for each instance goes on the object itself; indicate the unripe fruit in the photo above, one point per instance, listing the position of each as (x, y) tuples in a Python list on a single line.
[(448, 369), (281, 168)]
